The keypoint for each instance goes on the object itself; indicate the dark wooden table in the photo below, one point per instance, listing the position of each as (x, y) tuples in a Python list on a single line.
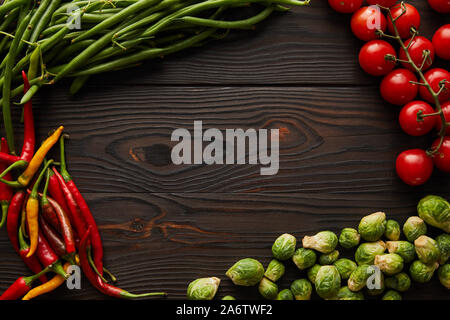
[(164, 225)]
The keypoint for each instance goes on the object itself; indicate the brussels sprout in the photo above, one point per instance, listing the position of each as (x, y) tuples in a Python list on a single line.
[(304, 258), (328, 282), (228, 298), (275, 270), (372, 227), (400, 282), (324, 241), (345, 293), (246, 272), (358, 278), (366, 252), (349, 238), (427, 250), (414, 227), (443, 242), (268, 289), (203, 288), (392, 295), (404, 249), (301, 289), (285, 294), (435, 211), (444, 275), (312, 272), (345, 267), (284, 247), (328, 258), (375, 290), (389, 263), (392, 231), (421, 272)]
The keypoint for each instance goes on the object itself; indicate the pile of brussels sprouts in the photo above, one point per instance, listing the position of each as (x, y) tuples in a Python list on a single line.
[(383, 265)]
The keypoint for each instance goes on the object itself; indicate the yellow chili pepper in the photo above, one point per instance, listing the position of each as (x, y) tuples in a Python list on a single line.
[(49, 286)]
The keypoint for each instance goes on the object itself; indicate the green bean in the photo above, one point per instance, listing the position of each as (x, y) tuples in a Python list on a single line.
[(77, 84), (19, 90), (30, 93), (8, 6), (90, 5), (44, 20), (114, 51), (4, 44), (12, 16), (87, 18), (53, 29), (72, 49)]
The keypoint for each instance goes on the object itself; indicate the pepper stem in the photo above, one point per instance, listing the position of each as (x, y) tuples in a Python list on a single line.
[(5, 205), (91, 262), (63, 166), (128, 295), (15, 165), (29, 280), (22, 243), (59, 269), (34, 191)]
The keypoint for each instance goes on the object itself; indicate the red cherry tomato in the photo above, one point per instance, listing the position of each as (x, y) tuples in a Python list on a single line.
[(411, 18), (372, 57), (414, 166), (434, 77), (383, 3), (441, 42), (418, 46), (366, 21), (396, 88), (408, 118), (442, 158), (442, 6), (446, 110), (345, 6)]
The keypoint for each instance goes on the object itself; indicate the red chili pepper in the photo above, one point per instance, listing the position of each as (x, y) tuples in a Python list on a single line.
[(6, 192), (28, 121), (64, 222), (97, 282), (96, 241), (55, 191), (21, 286), (12, 221), (55, 242), (47, 210), (48, 257), (8, 158), (32, 262)]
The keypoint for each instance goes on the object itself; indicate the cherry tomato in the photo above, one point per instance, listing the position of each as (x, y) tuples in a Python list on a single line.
[(434, 77), (383, 3), (372, 57), (441, 42), (442, 6), (442, 159), (414, 166), (345, 6), (396, 88), (408, 118), (411, 18), (418, 46), (366, 21), (446, 110)]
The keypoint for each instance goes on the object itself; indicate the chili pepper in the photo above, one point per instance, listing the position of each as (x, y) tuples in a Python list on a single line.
[(34, 164), (23, 217), (6, 192), (52, 237), (32, 262), (47, 210), (96, 241), (48, 257), (56, 192), (21, 286), (12, 221), (97, 282), (8, 158), (33, 211), (28, 121), (66, 228), (49, 286)]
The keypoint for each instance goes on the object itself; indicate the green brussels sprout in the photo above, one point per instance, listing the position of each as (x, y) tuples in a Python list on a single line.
[(246, 272), (375, 290), (366, 252), (349, 238), (312, 272), (301, 289), (203, 288), (345, 293), (444, 275), (392, 295), (324, 241), (328, 282), (284, 247), (275, 270), (404, 249), (328, 258), (427, 250), (285, 294), (414, 227), (372, 227), (304, 258), (358, 278), (228, 298), (421, 272), (268, 289), (435, 211), (389, 263), (443, 242), (400, 282), (392, 231), (345, 267)]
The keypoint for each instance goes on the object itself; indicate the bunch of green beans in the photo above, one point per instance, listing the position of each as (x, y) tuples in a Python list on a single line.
[(80, 38)]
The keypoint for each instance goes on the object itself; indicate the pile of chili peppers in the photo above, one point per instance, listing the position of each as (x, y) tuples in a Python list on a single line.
[(53, 229)]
